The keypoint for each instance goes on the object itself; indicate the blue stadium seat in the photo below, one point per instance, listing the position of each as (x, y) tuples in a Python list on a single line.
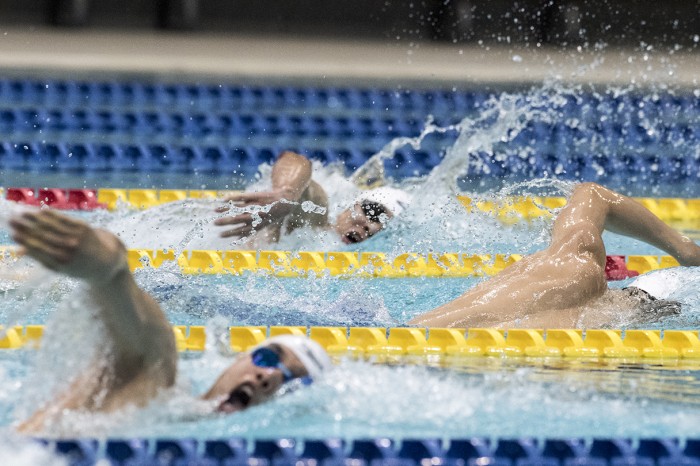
[(143, 159), (171, 159), (17, 155), (115, 157), (207, 159), (352, 159)]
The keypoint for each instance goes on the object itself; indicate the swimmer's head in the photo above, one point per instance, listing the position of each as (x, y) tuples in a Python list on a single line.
[(650, 308), (370, 213), (257, 375)]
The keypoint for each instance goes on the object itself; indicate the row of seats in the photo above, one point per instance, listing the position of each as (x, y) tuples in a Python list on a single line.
[(407, 162), (596, 167), (382, 452), (226, 124), (186, 159), (227, 96), (612, 134), (203, 124)]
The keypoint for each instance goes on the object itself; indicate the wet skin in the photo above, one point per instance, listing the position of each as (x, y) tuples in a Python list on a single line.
[(353, 226), (243, 384)]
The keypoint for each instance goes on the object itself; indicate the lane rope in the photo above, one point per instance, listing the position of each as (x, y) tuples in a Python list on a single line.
[(510, 209), (348, 264), (634, 345)]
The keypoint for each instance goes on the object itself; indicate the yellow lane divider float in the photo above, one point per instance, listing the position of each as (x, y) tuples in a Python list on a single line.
[(407, 341), (344, 264), (509, 209), (351, 264)]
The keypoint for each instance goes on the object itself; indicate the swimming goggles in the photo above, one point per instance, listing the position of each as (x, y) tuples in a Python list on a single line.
[(269, 357)]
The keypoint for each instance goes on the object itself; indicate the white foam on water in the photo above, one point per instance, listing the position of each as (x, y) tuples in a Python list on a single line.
[(18, 451)]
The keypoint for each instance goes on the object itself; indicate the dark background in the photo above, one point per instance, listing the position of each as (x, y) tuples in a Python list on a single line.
[(613, 22)]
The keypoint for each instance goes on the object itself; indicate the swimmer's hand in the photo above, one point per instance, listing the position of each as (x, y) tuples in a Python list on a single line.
[(69, 246), (264, 208)]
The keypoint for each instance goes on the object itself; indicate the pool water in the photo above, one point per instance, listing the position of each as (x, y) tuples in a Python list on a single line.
[(464, 398), (484, 397)]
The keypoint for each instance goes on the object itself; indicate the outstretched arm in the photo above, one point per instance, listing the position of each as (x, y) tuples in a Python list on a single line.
[(607, 210), (549, 288), (291, 186), (142, 339)]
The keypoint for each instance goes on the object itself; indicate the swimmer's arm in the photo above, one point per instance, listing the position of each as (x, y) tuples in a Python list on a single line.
[(291, 178), (291, 175), (138, 328), (291, 186)]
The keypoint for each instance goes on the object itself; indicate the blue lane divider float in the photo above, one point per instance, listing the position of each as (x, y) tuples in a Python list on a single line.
[(382, 452)]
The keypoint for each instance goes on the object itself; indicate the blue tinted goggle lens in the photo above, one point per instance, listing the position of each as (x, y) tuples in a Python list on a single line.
[(269, 358), (265, 357)]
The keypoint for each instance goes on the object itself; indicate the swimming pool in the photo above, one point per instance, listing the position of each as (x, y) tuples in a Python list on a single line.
[(485, 144)]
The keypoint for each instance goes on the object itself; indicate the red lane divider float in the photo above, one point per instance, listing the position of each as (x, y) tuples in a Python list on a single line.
[(64, 199)]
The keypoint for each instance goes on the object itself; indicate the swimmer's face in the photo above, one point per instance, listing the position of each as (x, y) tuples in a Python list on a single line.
[(363, 220), (243, 384)]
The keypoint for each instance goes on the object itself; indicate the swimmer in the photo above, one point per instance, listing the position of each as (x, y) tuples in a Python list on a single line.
[(551, 288), (291, 187), (564, 285), (143, 356)]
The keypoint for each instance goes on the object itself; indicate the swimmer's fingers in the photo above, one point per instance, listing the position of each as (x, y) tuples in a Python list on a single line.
[(237, 203), (47, 254), (52, 228), (243, 230), (246, 199), (35, 236), (233, 197), (241, 218), (244, 223), (50, 220), (49, 237)]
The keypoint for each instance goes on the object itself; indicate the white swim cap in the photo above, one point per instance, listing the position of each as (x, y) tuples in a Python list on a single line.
[(661, 283), (395, 200), (311, 354)]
